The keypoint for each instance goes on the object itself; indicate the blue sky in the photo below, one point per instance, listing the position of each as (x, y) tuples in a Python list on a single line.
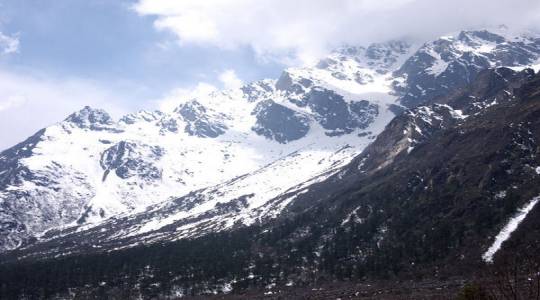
[(57, 56), (107, 41), (102, 53)]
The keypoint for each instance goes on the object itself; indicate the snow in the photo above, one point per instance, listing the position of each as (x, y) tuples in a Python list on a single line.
[(455, 113), (352, 216), (476, 46), (508, 229), (438, 66), (500, 195), (219, 170), (322, 157), (534, 65), (223, 169)]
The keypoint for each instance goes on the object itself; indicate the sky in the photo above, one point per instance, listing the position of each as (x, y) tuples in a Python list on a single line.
[(57, 56)]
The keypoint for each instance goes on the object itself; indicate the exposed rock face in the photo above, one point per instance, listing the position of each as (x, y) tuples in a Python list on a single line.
[(277, 122), (413, 127), (286, 84), (200, 121), (327, 108), (46, 201), (257, 90), (449, 63), (129, 159), (93, 119), (13, 171), (405, 132), (337, 116)]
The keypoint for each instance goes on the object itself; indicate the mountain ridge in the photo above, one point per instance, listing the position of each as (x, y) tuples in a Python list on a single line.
[(432, 212), (326, 114)]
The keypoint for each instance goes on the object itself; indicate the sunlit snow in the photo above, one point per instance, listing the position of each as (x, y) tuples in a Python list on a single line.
[(507, 230)]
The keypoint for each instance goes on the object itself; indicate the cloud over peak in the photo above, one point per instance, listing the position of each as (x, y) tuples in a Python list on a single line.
[(302, 30), (230, 80)]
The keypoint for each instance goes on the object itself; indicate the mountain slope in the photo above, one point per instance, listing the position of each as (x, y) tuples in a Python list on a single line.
[(88, 168), (433, 210), (218, 161), (453, 61)]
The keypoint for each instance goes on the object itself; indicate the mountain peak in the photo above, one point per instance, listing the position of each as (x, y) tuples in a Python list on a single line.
[(483, 35), (89, 117), (142, 115)]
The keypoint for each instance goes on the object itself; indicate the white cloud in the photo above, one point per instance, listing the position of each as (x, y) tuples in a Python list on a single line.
[(181, 95), (230, 80), (8, 44), (31, 102), (302, 30), (176, 97)]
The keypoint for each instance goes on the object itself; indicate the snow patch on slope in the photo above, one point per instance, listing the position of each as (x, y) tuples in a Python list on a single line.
[(508, 229)]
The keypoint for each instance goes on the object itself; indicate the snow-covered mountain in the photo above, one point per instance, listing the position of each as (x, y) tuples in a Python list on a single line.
[(256, 142), (450, 62), (234, 157)]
